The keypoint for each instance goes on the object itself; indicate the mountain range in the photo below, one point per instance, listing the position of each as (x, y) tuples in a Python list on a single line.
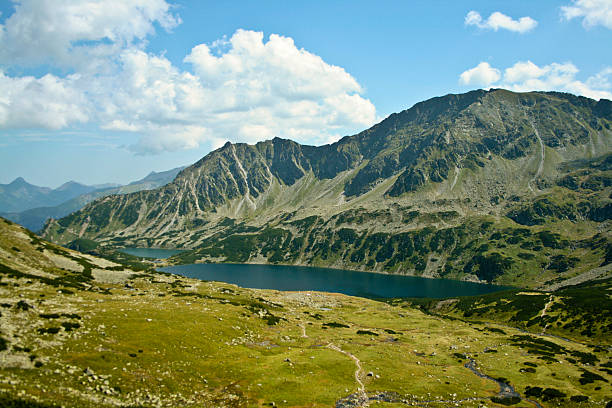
[(19, 195), (31, 206), (490, 186)]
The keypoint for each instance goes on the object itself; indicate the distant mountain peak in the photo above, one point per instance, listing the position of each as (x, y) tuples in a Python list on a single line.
[(69, 184), (19, 181)]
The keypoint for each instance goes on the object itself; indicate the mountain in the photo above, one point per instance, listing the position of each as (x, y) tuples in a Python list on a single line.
[(19, 195), (35, 218), (151, 181), (492, 186), (68, 322)]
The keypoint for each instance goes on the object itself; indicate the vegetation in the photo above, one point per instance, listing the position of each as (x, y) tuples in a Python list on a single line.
[(214, 344), (582, 312)]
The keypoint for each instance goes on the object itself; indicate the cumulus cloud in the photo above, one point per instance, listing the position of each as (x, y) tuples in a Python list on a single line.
[(526, 76), (245, 88), (73, 32), (481, 75), (48, 102), (171, 138), (592, 12), (287, 71), (499, 20)]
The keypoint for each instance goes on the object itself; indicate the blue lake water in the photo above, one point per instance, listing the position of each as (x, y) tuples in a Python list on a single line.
[(299, 278), (157, 253)]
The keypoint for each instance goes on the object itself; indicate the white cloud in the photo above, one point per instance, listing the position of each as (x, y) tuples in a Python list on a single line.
[(601, 80), (245, 89), (48, 102), (481, 75), (522, 71), (171, 138), (499, 20), (257, 69), (241, 89), (77, 32), (526, 76), (592, 12)]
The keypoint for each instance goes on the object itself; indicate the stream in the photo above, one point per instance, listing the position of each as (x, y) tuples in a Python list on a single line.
[(506, 391)]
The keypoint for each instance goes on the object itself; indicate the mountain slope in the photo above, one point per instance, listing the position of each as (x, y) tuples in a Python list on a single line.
[(424, 192)]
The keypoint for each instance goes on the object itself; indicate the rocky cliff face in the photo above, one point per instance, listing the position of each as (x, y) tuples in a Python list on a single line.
[(474, 165)]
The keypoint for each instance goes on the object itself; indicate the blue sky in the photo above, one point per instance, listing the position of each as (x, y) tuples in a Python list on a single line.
[(107, 91)]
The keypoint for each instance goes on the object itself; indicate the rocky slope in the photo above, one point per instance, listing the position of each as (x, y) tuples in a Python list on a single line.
[(488, 185)]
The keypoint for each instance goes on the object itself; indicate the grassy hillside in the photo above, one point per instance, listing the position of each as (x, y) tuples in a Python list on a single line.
[(581, 312), (79, 331)]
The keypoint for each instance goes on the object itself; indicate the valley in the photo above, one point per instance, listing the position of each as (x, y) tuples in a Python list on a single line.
[(83, 331), (488, 186), (305, 204), (491, 186)]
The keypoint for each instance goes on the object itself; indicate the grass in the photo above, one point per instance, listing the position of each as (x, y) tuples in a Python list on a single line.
[(157, 339)]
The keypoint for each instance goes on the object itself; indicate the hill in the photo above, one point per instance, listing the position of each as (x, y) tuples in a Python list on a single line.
[(81, 331), (495, 186)]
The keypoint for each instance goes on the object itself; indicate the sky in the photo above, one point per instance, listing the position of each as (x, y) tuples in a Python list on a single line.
[(101, 91)]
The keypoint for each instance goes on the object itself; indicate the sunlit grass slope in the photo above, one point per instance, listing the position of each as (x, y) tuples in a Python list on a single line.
[(79, 331)]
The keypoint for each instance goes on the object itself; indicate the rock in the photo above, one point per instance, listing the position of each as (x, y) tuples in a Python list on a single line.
[(370, 374)]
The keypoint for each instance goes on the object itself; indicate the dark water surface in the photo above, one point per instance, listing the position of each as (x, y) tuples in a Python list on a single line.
[(297, 278), (157, 253)]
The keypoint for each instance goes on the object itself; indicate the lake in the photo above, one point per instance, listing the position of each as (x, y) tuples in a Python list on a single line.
[(301, 278), (157, 253)]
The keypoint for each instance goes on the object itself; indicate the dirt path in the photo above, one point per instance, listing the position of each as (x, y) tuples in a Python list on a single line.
[(361, 388), (303, 327), (550, 302)]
